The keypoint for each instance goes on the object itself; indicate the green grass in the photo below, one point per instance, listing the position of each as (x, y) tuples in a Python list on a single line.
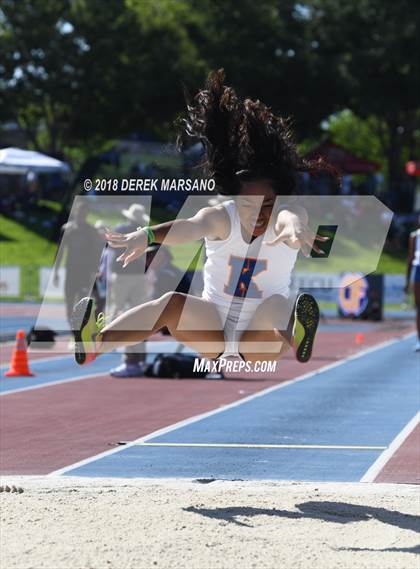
[(387, 263), (27, 244), (20, 245), (351, 256), (392, 264), (23, 246)]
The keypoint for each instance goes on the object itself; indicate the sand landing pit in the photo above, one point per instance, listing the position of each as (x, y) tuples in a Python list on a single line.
[(82, 523)]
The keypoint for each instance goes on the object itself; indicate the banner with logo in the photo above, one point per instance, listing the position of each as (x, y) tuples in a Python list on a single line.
[(325, 286), (9, 281)]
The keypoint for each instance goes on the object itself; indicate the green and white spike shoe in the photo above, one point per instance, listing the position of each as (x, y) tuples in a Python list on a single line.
[(305, 326), (86, 328)]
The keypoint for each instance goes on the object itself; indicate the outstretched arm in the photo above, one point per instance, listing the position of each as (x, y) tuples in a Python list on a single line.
[(206, 223), (292, 229)]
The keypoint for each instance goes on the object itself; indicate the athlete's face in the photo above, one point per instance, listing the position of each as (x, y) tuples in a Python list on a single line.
[(255, 203)]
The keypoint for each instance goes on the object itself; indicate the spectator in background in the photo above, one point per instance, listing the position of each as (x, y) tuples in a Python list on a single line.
[(413, 266), (82, 245), (128, 287)]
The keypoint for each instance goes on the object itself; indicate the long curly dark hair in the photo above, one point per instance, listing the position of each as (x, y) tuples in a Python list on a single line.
[(244, 140)]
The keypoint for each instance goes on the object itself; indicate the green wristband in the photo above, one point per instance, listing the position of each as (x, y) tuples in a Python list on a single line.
[(150, 234)]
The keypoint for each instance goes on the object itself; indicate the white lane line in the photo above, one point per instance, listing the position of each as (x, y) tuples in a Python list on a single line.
[(35, 362), (57, 356), (381, 461), (223, 408), (70, 354), (51, 383), (263, 446)]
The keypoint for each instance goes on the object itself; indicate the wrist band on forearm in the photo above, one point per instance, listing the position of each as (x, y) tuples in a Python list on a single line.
[(150, 234)]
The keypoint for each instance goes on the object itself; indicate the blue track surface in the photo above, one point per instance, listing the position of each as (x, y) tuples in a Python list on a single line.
[(65, 368), (364, 402), (57, 369)]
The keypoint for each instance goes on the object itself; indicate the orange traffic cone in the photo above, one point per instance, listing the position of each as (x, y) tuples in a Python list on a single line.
[(359, 338), (19, 364)]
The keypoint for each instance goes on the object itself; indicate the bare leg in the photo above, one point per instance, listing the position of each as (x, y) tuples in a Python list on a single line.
[(269, 334), (138, 323)]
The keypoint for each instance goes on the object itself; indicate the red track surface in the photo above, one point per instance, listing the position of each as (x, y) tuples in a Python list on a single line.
[(46, 429), (404, 465)]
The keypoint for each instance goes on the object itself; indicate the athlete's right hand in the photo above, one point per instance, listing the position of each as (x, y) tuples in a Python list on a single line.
[(135, 244)]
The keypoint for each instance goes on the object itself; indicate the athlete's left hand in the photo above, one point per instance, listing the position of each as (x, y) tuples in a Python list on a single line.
[(296, 234)]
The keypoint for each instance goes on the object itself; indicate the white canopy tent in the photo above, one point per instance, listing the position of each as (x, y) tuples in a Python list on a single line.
[(17, 161)]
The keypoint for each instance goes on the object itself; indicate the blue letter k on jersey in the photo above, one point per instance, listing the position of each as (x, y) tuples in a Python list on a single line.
[(241, 276)]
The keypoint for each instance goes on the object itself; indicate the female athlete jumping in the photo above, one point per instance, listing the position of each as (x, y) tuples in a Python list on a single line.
[(251, 245)]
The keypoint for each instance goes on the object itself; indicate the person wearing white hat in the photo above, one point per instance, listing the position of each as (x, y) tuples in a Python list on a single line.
[(137, 214), (77, 235)]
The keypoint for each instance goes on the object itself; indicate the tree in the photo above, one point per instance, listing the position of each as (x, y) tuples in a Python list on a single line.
[(378, 46), (81, 72), (356, 134), (38, 68), (267, 53)]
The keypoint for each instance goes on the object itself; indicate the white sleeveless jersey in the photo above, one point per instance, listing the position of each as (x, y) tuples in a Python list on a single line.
[(236, 270), (416, 260)]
